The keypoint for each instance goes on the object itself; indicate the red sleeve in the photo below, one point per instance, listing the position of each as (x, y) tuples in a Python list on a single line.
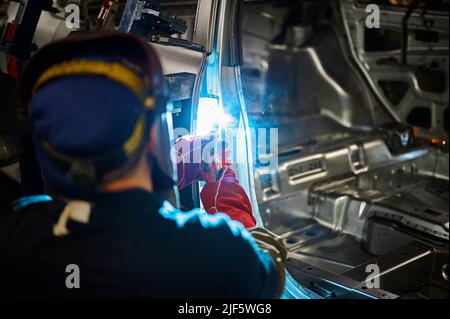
[(227, 196), (189, 165)]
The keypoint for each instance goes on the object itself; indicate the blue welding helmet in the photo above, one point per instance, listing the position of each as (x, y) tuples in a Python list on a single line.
[(92, 101)]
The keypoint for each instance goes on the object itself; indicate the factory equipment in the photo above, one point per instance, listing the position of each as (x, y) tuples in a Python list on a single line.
[(339, 133), (357, 188)]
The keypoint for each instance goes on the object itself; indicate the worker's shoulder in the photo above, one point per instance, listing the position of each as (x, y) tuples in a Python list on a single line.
[(37, 212), (24, 205), (222, 245), (195, 224)]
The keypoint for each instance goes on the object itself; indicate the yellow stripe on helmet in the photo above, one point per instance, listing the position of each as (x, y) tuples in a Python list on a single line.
[(133, 143), (114, 71)]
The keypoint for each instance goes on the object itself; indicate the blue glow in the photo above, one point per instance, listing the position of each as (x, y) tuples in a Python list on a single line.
[(209, 115), (293, 290), (29, 200)]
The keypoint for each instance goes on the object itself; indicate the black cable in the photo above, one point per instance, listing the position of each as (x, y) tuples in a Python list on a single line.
[(414, 4)]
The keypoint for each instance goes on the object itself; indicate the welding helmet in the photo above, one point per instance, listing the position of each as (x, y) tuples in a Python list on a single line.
[(92, 101)]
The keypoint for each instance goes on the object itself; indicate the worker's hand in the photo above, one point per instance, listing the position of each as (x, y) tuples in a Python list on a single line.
[(225, 195), (199, 158), (273, 245)]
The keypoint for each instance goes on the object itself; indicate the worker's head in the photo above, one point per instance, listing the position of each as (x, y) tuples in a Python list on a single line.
[(95, 103)]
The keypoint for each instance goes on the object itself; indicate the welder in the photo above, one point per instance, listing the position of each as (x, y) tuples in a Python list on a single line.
[(96, 104)]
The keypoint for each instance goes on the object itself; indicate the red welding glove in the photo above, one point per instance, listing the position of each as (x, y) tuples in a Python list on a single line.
[(197, 160), (226, 195)]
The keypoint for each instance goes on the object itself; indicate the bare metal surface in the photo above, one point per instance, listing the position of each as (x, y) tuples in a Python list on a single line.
[(205, 23), (176, 60), (420, 54), (329, 216), (343, 196)]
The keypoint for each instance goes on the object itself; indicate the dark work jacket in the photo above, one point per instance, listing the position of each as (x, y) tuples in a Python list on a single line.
[(134, 246)]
